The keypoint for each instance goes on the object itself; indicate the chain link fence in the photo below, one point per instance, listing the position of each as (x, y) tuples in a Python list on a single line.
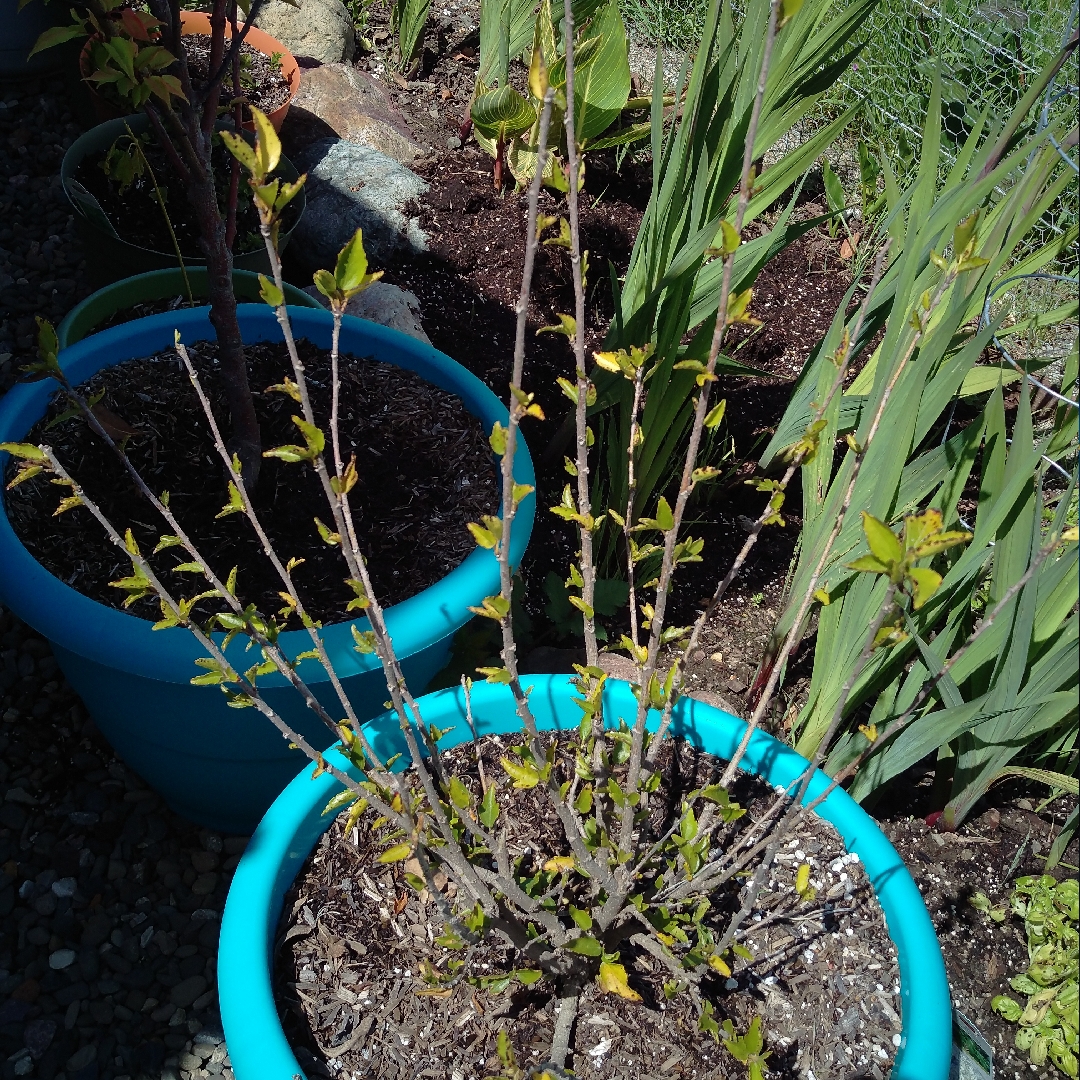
[(987, 51)]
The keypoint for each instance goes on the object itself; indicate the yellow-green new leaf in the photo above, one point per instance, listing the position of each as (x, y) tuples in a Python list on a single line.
[(523, 775), (267, 143), (397, 853), (326, 283), (567, 325), (240, 149), (270, 293), (882, 540), (716, 413), (925, 582), (24, 451), (352, 264), (482, 536), (612, 980), (867, 564), (729, 238)]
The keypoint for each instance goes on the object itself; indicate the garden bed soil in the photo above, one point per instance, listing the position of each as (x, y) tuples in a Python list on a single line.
[(1006, 836), (425, 466), (355, 941), (261, 81), (468, 284)]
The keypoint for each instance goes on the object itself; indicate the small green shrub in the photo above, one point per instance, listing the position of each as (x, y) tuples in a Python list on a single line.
[(1048, 1020)]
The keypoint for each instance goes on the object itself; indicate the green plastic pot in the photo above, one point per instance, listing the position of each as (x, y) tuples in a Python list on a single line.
[(108, 257), (258, 1047), (83, 319)]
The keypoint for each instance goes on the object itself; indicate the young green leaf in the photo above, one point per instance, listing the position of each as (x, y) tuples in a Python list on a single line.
[(612, 979), (270, 293), (523, 775)]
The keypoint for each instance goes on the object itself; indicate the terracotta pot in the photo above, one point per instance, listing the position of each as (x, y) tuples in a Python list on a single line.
[(197, 22)]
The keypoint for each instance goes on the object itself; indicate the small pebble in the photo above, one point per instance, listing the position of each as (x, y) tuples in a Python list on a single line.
[(62, 958)]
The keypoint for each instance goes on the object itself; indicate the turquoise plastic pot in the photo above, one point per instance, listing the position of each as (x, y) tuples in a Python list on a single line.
[(292, 826), (218, 766), (83, 319)]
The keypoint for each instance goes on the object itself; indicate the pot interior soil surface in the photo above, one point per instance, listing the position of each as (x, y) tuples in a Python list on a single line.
[(147, 307), (425, 466), (261, 81), (356, 946), (136, 214)]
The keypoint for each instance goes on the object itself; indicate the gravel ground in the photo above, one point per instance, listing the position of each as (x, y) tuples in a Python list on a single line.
[(110, 904), (41, 260)]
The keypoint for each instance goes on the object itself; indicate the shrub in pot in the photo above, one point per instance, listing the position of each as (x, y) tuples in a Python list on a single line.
[(142, 58), (198, 22), (213, 764), (110, 256), (258, 1046)]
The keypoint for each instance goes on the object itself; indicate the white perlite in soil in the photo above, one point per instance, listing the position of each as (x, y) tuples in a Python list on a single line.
[(827, 974), (824, 980)]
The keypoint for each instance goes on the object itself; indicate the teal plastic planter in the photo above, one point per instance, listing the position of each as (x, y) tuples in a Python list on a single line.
[(83, 319), (292, 826), (218, 766)]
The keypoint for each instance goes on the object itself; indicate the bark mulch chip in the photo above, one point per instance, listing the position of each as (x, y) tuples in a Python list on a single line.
[(261, 81)]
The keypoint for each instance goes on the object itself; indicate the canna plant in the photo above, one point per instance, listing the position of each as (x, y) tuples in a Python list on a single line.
[(506, 123), (626, 877), (139, 57), (1012, 697)]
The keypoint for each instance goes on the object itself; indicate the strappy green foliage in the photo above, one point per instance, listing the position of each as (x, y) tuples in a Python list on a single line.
[(1013, 693), (509, 28), (672, 284), (409, 19)]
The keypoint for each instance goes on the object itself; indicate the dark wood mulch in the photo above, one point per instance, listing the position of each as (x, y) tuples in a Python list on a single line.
[(1006, 836), (426, 470), (354, 937), (468, 285)]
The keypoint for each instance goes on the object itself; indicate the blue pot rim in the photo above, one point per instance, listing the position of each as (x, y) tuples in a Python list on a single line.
[(122, 641), (292, 826)]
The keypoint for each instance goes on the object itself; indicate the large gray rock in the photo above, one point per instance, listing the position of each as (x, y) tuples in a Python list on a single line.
[(317, 29), (349, 187), (386, 305), (338, 99)]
